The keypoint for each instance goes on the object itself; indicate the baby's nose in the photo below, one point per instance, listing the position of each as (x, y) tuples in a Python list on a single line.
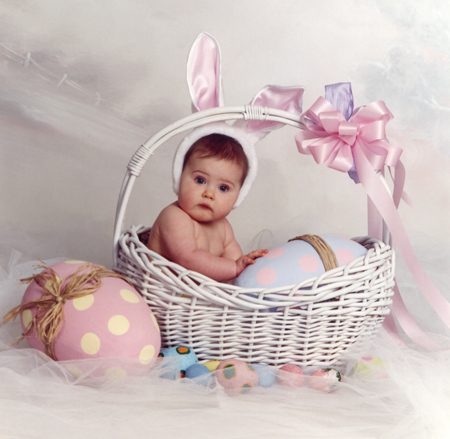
[(208, 193)]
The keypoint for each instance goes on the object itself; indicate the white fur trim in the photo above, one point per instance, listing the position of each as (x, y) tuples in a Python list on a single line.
[(246, 140)]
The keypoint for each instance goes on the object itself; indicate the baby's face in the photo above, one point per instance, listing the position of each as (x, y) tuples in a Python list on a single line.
[(209, 188)]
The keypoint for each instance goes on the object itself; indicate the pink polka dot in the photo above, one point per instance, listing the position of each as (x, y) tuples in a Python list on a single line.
[(275, 253), (348, 240), (266, 276), (344, 256), (309, 263)]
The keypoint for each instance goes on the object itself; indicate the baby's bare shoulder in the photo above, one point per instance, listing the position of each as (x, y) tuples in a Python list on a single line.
[(172, 216), (172, 210), (224, 230), (226, 226)]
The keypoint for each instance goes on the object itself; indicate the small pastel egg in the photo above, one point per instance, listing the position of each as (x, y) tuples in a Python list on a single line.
[(370, 367), (212, 365), (266, 375), (200, 373), (325, 380), (291, 375), (236, 376), (183, 358)]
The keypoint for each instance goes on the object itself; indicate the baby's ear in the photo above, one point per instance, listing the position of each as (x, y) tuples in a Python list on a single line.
[(204, 73)]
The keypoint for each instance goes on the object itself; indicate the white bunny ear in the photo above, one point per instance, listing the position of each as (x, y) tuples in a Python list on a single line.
[(282, 98), (204, 73)]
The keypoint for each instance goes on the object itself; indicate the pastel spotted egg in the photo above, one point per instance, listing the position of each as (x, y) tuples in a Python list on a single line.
[(236, 376), (266, 375), (180, 359), (291, 375), (212, 365), (295, 262), (200, 374), (370, 368), (325, 380), (113, 322)]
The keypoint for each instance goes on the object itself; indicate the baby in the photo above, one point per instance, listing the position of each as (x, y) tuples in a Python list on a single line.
[(194, 231)]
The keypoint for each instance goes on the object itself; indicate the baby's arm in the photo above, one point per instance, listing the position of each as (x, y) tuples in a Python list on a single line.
[(249, 259), (176, 233), (233, 251)]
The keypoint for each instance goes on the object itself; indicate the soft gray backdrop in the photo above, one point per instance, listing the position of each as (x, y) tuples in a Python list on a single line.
[(83, 84)]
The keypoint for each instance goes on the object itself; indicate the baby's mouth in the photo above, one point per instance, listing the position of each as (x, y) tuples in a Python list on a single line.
[(205, 206)]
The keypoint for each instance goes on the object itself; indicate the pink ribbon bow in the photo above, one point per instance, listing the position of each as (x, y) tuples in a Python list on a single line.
[(331, 139), (360, 144)]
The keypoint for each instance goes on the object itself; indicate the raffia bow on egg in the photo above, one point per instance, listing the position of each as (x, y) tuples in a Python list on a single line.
[(48, 318)]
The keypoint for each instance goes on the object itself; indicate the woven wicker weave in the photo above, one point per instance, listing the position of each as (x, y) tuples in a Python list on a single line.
[(310, 324)]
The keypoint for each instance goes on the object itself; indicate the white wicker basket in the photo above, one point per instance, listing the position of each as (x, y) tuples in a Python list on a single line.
[(315, 322)]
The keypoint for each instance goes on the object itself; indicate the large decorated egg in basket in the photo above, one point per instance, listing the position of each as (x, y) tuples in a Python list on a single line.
[(295, 262), (94, 313)]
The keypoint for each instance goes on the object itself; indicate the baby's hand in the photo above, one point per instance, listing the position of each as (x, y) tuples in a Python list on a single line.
[(249, 259)]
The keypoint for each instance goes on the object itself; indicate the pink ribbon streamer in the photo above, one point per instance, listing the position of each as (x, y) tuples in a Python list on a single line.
[(361, 141)]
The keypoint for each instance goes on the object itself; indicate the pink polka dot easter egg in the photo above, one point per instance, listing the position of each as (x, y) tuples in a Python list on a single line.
[(236, 376), (295, 262), (113, 321)]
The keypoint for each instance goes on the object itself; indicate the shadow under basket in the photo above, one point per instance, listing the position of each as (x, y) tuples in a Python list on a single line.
[(313, 323)]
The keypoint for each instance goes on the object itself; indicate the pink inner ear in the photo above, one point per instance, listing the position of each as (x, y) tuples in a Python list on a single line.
[(282, 98), (203, 72)]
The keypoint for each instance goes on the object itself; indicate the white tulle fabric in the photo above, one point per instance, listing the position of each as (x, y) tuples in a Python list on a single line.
[(39, 398)]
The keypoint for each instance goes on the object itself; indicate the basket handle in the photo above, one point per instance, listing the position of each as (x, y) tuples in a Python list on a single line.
[(145, 151), (220, 114)]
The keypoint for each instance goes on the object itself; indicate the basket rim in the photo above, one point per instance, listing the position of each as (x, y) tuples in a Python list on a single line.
[(197, 285)]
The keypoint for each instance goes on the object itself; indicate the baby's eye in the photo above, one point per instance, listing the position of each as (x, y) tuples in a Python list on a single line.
[(200, 180), (223, 188)]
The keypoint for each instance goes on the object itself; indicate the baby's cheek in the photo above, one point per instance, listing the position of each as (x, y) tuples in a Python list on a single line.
[(224, 207)]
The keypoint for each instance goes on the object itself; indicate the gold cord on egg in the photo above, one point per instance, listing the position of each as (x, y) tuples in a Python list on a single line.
[(322, 248)]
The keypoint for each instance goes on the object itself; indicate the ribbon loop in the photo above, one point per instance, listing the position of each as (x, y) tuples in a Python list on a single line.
[(348, 129), (327, 130)]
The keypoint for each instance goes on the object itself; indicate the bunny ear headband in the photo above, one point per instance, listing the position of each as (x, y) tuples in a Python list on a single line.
[(205, 87)]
